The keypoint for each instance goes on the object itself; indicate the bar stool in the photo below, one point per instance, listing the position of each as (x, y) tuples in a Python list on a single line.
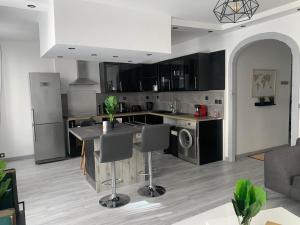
[(115, 147), (154, 138)]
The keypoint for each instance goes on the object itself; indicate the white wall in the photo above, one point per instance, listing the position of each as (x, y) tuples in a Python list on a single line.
[(263, 127), (19, 58)]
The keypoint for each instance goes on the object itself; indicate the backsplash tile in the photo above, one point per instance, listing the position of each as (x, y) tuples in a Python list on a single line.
[(185, 100)]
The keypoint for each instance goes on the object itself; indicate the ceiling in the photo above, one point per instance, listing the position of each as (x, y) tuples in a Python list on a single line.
[(197, 10), (18, 22)]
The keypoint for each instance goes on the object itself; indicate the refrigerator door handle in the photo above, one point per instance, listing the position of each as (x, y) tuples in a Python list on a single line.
[(33, 125)]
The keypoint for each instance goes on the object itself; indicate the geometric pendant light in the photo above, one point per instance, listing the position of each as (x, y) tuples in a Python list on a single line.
[(234, 11)]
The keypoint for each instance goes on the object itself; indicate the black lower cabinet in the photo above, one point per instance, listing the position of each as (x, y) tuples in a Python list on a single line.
[(152, 119), (210, 141), (173, 147)]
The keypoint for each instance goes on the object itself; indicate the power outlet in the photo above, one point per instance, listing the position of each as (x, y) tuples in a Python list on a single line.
[(2, 155)]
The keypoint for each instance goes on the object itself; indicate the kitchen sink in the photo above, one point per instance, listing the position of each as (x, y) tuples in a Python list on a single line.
[(169, 112)]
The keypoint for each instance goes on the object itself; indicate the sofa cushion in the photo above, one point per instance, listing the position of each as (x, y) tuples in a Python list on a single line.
[(296, 182)]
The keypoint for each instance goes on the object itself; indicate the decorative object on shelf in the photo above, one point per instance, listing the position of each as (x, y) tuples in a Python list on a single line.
[(235, 11), (4, 183), (248, 201), (111, 107)]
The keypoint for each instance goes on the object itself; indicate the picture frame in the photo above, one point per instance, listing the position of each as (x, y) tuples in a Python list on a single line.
[(264, 83)]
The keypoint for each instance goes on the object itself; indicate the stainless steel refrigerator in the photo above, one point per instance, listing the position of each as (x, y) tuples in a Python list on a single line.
[(47, 119)]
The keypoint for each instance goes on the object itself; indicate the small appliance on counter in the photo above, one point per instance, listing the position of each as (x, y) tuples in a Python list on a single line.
[(149, 106), (201, 111)]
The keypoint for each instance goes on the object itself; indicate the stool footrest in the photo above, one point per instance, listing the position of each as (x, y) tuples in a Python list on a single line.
[(108, 182)]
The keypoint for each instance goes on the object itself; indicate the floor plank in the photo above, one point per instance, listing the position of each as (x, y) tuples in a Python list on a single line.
[(58, 194)]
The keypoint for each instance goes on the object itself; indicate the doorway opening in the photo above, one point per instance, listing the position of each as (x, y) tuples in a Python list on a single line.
[(291, 102), (263, 96)]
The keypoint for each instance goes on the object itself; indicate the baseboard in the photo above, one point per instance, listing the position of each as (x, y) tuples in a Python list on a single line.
[(259, 152), (18, 158)]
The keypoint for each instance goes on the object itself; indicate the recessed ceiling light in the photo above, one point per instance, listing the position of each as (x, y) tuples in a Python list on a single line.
[(60, 56), (242, 26), (210, 31), (175, 28), (71, 48), (116, 56), (31, 6), (94, 54), (149, 54)]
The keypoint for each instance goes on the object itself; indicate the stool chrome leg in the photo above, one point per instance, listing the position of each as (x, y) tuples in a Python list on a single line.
[(114, 200), (151, 190)]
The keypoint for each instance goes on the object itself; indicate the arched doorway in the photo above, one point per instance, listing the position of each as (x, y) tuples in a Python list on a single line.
[(232, 78)]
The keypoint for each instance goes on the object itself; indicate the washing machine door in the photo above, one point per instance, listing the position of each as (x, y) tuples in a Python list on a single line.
[(185, 139)]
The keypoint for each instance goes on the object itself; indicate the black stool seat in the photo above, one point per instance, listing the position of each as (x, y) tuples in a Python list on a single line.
[(115, 147), (154, 138)]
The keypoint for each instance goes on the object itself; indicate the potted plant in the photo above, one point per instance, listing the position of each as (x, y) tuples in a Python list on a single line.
[(248, 201), (4, 186), (111, 107)]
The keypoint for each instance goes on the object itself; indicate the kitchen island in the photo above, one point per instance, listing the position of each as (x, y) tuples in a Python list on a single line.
[(98, 173)]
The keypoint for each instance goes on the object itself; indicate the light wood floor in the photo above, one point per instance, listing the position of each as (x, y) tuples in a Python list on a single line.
[(58, 194)]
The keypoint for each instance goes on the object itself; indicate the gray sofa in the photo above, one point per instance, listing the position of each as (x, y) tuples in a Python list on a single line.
[(282, 171)]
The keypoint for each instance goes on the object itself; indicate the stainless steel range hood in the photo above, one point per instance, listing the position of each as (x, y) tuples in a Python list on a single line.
[(82, 74)]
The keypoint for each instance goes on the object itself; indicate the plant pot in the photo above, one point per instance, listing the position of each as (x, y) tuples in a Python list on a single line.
[(246, 222), (112, 125)]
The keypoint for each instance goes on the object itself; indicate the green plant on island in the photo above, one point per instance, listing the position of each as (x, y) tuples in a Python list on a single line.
[(111, 107), (4, 183), (248, 201)]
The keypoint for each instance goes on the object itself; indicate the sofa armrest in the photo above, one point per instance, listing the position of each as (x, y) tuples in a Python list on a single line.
[(280, 167)]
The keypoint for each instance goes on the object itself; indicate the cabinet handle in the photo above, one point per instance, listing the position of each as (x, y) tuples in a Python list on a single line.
[(33, 126), (195, 82), (169, 85), (141, 86), (121, 88)]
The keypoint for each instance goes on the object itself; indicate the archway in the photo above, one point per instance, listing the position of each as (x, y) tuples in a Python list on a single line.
[(232, 87)]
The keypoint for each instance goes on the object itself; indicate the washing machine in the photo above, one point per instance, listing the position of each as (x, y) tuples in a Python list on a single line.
[(187, 141)]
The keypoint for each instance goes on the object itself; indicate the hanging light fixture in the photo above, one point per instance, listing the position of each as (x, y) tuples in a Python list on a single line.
[(234, 11)]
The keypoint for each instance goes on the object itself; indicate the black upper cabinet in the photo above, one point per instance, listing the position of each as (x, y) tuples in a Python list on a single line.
[(148, 76), (164, 75), (196, 72), (119, 77), (217, 70), (109, 77), (128, 76), (203, 72), (191, 72), (178, 81)]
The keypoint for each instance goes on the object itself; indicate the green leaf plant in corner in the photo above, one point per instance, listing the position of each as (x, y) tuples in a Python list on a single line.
[(248, 201), (4, 183), (111, 106)]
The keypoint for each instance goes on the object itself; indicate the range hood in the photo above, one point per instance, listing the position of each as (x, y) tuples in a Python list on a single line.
[(82, 74)]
